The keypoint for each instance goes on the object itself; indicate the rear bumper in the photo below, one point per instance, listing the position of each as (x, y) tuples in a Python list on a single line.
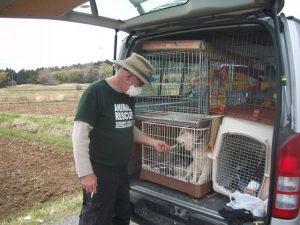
[(147, 209), (151, 210)]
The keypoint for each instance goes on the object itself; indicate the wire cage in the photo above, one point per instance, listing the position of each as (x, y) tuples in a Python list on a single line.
[(187, 166), (181, 83), (231, 73)]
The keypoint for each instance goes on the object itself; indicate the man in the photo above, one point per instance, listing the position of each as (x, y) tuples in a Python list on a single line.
[(103, 136)]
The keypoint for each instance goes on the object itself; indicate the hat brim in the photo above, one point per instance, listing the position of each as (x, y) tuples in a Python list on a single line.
[(129, 68)]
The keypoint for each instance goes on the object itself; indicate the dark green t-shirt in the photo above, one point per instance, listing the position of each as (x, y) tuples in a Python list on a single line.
[(111, 114)]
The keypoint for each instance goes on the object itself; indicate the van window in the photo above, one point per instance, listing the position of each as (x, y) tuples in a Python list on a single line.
[(116, 9)]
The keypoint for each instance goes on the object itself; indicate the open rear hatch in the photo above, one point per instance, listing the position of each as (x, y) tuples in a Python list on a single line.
[(136, 15)]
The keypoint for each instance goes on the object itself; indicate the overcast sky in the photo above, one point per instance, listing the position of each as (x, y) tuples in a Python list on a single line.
[(29, 44)]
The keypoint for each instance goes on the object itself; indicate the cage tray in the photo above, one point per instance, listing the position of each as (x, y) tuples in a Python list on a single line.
[(184, 119), (195, 190)]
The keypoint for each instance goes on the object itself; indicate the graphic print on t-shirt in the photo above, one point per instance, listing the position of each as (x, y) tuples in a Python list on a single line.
[(124, 116)]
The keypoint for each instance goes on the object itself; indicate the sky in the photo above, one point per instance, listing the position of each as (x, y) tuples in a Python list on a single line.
[(32, 44)]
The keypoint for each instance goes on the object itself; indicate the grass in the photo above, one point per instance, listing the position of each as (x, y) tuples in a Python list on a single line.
[(43, 88), (38, 93), (46, 213), (64, 142), (48, 130)]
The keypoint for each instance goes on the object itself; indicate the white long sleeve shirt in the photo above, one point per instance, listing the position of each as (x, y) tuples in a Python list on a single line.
[(81, 141)]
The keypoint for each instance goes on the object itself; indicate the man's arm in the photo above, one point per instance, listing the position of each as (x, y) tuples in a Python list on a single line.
[(81, 141)]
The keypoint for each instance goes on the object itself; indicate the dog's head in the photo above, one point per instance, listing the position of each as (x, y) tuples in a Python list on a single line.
[(190, 139)]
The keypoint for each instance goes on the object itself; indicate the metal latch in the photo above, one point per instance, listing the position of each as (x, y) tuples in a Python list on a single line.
[(182, 213)]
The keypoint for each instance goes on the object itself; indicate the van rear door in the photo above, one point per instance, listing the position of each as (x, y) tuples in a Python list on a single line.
[(135, 15)]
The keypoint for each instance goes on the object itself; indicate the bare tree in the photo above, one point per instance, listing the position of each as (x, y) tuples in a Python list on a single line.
[(45, 77)]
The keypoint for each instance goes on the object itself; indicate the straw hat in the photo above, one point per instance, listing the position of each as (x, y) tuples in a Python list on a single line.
[(138, 66)]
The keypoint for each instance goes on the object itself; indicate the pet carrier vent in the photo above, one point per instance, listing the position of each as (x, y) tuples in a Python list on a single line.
[(242, 156), (186, 167), (242, 159)]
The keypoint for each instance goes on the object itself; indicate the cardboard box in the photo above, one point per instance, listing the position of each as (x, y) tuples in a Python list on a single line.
[(178, 45)]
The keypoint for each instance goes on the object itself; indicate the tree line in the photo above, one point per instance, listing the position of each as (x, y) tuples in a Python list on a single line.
[(79, 73)]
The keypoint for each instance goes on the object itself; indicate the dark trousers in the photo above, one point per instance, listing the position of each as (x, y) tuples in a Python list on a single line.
[(111, 204)]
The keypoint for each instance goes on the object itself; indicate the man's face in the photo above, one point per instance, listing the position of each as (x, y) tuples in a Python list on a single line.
[(133, 79), (134, 84)]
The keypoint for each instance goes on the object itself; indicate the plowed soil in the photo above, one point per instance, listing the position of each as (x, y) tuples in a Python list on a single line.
[(59, 108), (31, 173)]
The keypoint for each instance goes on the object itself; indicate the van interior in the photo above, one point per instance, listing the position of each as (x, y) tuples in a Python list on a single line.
[(213, 101)]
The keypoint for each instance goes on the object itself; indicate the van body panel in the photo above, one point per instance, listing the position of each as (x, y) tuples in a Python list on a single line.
[(293, 40)]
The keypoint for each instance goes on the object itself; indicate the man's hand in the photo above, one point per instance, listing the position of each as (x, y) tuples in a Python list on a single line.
[(89, 183), (160, 146)]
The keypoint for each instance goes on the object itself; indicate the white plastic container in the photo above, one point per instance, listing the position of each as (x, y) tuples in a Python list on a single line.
[(241, 155)]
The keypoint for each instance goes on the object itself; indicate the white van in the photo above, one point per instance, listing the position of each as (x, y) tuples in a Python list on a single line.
[(225, 96)]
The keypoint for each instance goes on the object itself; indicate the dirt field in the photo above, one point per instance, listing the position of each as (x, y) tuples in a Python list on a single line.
[(30, 172), (59, 108)]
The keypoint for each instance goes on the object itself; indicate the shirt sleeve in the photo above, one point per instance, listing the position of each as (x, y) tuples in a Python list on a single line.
[(80, 141), (88, 108), (136, 133)]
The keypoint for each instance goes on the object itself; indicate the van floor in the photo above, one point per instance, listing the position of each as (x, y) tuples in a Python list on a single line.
[(211, 202)]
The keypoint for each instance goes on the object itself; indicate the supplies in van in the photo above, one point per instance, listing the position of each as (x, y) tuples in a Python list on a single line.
[(236, 216), (249, 202)]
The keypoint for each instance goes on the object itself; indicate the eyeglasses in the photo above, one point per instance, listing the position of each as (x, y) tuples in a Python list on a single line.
[(141, 83)]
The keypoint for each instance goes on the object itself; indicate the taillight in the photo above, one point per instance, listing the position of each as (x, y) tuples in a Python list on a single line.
[(287, 182)]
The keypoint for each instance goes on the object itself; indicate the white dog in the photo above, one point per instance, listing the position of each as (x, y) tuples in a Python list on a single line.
[(199, 170)]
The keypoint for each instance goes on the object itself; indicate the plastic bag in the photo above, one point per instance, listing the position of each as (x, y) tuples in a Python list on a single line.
[(246, 201)]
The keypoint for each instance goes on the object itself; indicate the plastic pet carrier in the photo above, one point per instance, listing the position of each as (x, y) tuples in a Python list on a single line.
[(241, 156)]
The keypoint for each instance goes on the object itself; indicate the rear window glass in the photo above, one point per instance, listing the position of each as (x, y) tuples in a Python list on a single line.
[(126, 9)]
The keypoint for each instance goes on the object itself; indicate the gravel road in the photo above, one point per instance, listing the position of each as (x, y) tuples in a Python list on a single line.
[(73, 220)]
